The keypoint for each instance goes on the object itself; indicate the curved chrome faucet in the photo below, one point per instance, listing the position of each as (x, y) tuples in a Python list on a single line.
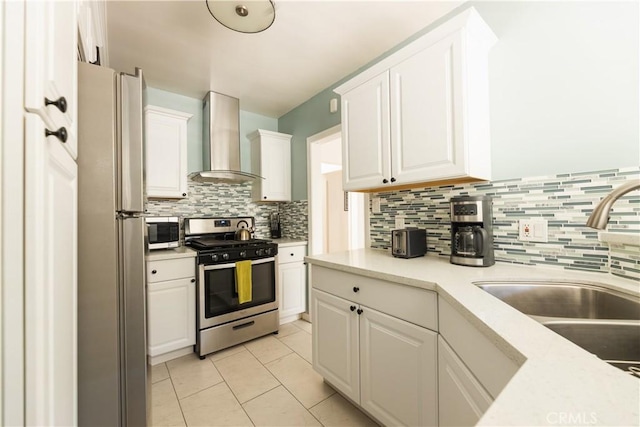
[(600, 215)]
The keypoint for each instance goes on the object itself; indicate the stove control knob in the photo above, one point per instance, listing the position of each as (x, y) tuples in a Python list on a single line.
[(225, 256), (259, 252), (214, 257), (243, 254), (268, 251)]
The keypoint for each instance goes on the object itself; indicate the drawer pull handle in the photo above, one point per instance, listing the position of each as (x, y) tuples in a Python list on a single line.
[(356, 289), (244, 325), (353, 307), (360, 311), (154, 271), (61, 103)]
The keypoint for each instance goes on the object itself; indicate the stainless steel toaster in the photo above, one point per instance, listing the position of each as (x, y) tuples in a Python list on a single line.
[(409, 242)]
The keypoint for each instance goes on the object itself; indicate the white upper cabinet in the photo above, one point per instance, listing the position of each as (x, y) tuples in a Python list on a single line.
[(166, 152), (271, 159), (421, 115), (51, 67)]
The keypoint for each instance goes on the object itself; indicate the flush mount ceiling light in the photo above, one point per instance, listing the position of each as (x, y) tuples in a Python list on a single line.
[(245, 16)]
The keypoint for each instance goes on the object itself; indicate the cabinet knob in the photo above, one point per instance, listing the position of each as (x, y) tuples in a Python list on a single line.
[(291, 254), (61, 103), (356, 289), (384, 181), (193, 280), (184, 194), (264, 197), (359, 311), (353, 307), (154, 271), (61, 134), (393, 179)]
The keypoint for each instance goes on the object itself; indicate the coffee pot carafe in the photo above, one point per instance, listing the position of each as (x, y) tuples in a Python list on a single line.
[(471, 231)]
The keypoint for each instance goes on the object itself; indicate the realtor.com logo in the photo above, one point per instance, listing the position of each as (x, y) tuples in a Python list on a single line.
[(572, 418)]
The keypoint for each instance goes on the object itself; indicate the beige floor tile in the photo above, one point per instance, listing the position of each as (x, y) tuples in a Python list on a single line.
[(191, 375), (337, 411), (246, 376), (286, 330), (278, 408), (267, 349), (300, 343), (215, 406), (303, 324), (159, 372), (297, 375), (219, 355), (165, 410)]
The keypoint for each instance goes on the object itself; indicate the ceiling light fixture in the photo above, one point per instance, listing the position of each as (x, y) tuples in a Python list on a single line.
[(244, 16)]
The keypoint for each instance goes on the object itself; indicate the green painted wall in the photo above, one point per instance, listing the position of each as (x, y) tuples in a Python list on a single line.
[(563, 90), (249, 122)]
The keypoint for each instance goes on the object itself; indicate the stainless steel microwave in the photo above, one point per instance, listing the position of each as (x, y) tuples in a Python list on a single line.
[(163, 232)]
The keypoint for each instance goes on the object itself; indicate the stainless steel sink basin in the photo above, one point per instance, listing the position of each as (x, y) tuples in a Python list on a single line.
[(615, 343), (565, 300)]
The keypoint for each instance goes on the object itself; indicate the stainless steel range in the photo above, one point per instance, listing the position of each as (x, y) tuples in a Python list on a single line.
[(223, 321)]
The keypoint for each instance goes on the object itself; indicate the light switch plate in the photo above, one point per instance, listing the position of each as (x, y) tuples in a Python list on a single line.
[(399, 221), (375, 205)]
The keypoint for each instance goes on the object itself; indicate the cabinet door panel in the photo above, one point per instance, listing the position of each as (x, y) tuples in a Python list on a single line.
[(365, 133), (171, 315), (462, 400), (398, 370), (426, 114), (336, 352), (276, 167), (292, 288)]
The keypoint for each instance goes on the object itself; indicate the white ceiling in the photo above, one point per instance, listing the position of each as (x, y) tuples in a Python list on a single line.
[(311, 45)]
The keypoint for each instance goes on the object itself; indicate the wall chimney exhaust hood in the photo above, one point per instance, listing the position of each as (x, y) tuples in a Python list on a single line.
[(221, 142)]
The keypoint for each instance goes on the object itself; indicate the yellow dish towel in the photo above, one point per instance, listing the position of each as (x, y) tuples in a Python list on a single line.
[(243, 281)]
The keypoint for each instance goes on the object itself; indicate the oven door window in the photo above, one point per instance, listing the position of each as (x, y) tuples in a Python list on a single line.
[(220, 288)]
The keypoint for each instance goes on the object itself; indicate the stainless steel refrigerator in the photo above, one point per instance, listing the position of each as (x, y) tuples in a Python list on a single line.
[(112, 362)]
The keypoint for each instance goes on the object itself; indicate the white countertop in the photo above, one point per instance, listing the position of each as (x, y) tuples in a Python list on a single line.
[(173, 253), (557, 380), (285, 242)]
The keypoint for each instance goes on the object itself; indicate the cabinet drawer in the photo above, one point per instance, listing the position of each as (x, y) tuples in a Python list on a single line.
[(414, 305), (291, 254), (487, 363), (170, 269)]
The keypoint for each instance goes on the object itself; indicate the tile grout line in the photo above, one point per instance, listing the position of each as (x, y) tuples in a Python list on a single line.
[(178, 399)]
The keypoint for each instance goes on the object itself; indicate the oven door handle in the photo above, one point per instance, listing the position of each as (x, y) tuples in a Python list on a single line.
[(233, 264)]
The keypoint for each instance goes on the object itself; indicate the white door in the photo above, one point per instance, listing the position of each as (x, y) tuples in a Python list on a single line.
[(365, 133), (276, 168), (398, 372), (426, 114), (336, 218), (171, 315), (336, 352), (51, 240), (462, 400), (292, 288)]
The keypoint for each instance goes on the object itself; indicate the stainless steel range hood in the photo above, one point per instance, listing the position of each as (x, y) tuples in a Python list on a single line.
[(221, 141)]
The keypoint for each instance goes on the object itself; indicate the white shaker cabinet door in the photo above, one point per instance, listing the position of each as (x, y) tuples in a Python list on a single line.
[(171, 315), (292, 288), (166, 152), (336, 352), (365, 133), (462, 400), (398, 370), (427, 113)]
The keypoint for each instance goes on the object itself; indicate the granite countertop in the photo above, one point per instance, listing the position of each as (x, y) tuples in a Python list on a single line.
[(284, 242), (173, 253), (557, 379)]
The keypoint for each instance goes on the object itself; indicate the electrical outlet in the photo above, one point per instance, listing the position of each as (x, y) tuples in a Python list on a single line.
[(375, 205), (399, 221), (533, 230)]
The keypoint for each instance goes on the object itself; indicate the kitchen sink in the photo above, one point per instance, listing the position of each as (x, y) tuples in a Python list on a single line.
[(615, 343), (565, 300), (600, 320)]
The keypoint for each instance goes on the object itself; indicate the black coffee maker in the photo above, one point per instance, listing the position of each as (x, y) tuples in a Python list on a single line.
[(275, 228), (471, 231)]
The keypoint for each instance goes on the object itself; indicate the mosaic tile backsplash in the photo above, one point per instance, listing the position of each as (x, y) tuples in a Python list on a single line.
[(564, 200), (222, 200)]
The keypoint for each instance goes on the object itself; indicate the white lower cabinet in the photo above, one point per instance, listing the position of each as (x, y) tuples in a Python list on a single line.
[(384, 364), (171, 306), (292, 281), (463, 400)]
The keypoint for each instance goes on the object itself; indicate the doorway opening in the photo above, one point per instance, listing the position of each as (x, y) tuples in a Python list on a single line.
[(338, 220)]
